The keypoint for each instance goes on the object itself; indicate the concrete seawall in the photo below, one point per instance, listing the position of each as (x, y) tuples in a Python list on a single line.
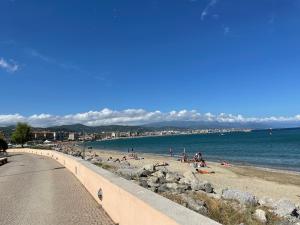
[(125, 202)]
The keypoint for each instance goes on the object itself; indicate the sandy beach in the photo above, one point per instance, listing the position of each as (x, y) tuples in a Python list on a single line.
[(262, 182)]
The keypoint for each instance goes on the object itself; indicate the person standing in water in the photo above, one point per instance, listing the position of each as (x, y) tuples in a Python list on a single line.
[(171, 152)]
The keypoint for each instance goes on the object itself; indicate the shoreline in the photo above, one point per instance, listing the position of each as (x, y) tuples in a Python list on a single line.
[(262, 182), (234, 163)]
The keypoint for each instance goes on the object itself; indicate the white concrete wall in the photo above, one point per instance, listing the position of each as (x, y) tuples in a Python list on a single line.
[(126, 202)]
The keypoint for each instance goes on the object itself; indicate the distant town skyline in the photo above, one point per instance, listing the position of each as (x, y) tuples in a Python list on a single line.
[(136, 62)]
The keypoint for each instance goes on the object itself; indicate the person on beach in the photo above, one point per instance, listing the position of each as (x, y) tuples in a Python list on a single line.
[(184, 157), (202, 163), (198, 157), (171, 152)]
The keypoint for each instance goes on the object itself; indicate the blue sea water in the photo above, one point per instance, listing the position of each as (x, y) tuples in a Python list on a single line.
[(279, 150)]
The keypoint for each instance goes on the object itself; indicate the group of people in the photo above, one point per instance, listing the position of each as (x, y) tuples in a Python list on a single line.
[(197, 160)]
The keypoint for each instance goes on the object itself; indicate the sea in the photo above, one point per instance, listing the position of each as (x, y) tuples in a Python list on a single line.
[(279, 149)]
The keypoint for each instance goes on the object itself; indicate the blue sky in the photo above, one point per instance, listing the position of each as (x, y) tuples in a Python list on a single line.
[(219, 56)]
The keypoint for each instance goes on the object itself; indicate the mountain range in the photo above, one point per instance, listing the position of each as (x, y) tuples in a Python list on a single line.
[(168, 125)]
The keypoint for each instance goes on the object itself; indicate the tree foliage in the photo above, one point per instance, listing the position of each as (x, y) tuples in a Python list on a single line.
[(22, 134), (3, 145)]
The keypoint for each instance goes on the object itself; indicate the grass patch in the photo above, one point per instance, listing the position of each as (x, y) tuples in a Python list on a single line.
[(225, 212)]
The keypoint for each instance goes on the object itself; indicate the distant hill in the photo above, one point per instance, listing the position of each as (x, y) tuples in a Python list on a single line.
[(98, 129), (7, 131), (168, 125), (206, 125), (81, 128)]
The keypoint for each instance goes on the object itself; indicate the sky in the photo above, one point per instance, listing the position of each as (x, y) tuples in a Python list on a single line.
[(131, 62)]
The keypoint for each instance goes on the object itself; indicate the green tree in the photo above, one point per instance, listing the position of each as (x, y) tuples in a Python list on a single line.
[(22, 134), (3, 145), (2, 135)]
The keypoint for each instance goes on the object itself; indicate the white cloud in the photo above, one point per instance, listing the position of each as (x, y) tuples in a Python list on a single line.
[(205, 11), (135, 117), (226, 30), (9, 66)]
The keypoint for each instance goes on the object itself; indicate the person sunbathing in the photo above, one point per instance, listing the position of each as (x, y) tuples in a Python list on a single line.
[(204, 171), (202, 163), (225, 164)]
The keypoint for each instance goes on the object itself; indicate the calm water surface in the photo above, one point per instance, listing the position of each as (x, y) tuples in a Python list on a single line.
[(279, 150)]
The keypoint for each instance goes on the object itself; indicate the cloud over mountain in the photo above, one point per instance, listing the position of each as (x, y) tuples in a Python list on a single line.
[(136, 117)]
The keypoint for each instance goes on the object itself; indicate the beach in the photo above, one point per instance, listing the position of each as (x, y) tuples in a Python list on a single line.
[(261, 182)]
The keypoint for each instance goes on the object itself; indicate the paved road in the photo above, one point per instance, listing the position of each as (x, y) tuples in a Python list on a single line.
[(36, 190)]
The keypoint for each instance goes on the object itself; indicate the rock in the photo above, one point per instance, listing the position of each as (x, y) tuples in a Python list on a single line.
[(96, 160), (172, 177), (162, 169), (175, 187), (196, 205), (88, 158), (153, 179), (128, 173), (284, 208), (260, 215), (202, 185), (154, 189), (183, 181), (163, 188), (153, 182), (214, 195), (266, 201), (158, 174), (143, 173), (189, 177), (285, 222), (143, 183), (149, 167), (242, 197), (196, 184)]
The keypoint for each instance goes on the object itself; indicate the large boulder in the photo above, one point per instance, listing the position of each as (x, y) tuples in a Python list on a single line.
[(128, 173), (260, 215), (142, 183), (194, 204), (285, 208), (96, 160), (177, 188), (202, 186), (153, 182), (153, 179), (88, 158), (266, 201), (159, 174), (240, 196), (196, 184), (147, 170), (163, 188), (143, 173), (172, 177), (189, 177), (149, 167)]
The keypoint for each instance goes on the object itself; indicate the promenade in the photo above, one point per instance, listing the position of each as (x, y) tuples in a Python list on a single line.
[(37, 190)]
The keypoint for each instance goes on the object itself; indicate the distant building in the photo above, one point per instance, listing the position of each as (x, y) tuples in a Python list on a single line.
[(43, 135), (73, 136)]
